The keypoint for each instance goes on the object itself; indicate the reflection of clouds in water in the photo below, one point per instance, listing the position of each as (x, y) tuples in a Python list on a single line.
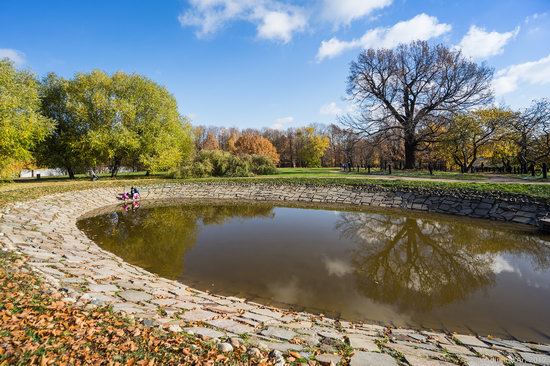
[(337, 267), (538, 283), (288, 292), (500, 264)]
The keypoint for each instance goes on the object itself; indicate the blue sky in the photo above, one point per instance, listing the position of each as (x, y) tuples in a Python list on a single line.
[(271, 63)]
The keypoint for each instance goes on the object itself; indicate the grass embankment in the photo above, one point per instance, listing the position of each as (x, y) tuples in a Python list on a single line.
[(25, 189)]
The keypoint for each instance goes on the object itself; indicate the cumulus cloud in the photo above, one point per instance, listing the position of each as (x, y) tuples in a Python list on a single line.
[(421, 27), (529, 73), (480, 44), (280, 25), (274, 20), (281, 123), (343, 12), (17, 57), (331, 109)]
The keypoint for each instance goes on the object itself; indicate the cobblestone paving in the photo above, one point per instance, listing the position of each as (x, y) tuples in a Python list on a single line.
[(45, 230)]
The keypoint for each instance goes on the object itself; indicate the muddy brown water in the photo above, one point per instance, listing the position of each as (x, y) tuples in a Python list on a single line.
[(390, 267)]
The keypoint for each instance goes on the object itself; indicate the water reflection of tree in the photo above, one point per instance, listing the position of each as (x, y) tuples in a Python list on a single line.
[(417, 263), (158, 238)]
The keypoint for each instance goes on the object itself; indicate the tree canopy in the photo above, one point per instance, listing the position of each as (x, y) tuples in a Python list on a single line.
[(113, 119), (311, 146), (254, 144), (471, 135), (22, 126)]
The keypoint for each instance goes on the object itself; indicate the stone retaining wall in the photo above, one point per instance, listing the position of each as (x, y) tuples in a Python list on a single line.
[(472, 204)]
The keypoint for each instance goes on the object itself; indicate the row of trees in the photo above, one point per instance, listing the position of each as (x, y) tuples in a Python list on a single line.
[(304, 147), (489, 137), (420, 100), (415, 105), (90, 121)]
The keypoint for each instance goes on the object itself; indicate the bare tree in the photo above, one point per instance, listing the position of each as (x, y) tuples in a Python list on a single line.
[(411, 90), (528, 131)]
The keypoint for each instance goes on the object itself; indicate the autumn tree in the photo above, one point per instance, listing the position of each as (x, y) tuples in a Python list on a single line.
[(211, 142), (254, 144), (22, 126), (232, 140), (528, 130), (311, 146), (471, 133), (412, 90)]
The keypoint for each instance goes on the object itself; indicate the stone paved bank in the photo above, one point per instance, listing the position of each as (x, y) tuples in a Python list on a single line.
[(45, 231)]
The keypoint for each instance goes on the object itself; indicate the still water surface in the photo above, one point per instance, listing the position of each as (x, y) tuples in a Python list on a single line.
[(392, 267)]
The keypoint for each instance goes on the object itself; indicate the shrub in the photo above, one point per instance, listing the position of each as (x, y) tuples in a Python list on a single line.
[(262, 165), (217, 163), (238, 167)]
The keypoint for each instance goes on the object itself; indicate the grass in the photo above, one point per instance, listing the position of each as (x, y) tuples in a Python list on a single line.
[(362, 173), (25, 189)]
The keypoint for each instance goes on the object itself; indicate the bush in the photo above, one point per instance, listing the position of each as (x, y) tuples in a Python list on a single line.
[(238, 167), (217, 163), (262, 165)]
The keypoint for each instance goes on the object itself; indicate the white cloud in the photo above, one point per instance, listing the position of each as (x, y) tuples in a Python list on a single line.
[(280, 123), (280, 25), (345, 11), (529, 73), (421, 27), (274, 20), (479, 44), (16, 56), (330, 109)]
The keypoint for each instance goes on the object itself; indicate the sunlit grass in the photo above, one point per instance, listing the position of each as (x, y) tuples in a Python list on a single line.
[(27, 189)]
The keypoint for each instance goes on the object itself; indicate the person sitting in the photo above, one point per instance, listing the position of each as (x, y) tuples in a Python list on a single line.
[(134, 193)]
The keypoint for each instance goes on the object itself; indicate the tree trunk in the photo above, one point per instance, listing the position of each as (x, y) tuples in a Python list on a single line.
[(116, 167), (410, 152), (70, 171)]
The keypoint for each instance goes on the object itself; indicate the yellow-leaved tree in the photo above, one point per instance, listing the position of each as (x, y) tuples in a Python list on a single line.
[(22, 126), (311, 146)]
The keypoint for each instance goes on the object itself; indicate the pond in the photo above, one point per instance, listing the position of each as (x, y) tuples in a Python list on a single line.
[(391, 267)]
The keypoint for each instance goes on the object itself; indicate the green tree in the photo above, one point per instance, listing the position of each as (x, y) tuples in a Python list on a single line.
[(22, 126), (312, 146), (114, 120), (61, 148)]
